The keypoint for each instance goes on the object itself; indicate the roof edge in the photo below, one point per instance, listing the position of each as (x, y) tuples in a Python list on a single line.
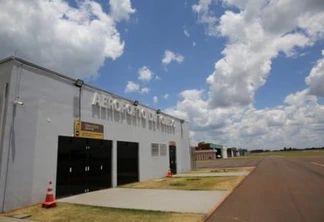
[(14, 58)]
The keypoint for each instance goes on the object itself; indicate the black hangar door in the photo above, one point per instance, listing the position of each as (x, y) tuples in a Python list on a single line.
[(83, 165), (99, 164), (63, 167), (127, 163), (94, 163), (78, 164), (173, 159), (106, 167)]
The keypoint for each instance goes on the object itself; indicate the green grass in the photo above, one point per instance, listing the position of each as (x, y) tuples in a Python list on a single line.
[(229, 159), (79, 213), (289, 153), (192, 183), (193, 179), (221, 170), (178, 184)]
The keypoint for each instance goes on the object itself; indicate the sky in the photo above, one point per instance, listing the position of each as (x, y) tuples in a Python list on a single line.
[(244, 73)]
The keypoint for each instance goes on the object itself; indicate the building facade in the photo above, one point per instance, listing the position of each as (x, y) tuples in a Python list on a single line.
[(55, 128)]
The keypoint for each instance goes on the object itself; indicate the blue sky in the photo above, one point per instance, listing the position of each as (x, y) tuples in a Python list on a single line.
[(149, 33), (244, 73), (287, 76)]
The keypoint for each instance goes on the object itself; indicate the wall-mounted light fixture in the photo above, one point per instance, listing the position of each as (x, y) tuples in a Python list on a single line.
[(158, 111), (18, 102), (181, 121), (79, 83), (135, 103)]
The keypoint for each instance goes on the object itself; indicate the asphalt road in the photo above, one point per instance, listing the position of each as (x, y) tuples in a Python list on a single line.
[(279, 189)]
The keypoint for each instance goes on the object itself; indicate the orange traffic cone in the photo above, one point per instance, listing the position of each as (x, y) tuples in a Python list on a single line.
[(169, 174), (49, 201)]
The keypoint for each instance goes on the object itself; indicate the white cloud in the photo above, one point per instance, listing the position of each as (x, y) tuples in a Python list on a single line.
[(145, 74), (131, 87), (72, 40), (253, 43), (121, 9), (299, 124), (145, 90), (205, 15), (157, 77), (185, 31), (170, 56), (257, 32), (315, 80), (155, 99), (166, 96), (238, 3), (193, 44), (300, 98)]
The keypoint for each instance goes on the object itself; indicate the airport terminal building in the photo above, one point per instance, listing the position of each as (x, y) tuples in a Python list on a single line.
[(55, 128)]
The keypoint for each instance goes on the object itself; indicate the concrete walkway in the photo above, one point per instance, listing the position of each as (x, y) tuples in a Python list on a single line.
[(229, 174), (151, 199)]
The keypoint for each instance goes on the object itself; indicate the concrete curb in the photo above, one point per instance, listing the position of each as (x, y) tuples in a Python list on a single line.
[(224, 198)]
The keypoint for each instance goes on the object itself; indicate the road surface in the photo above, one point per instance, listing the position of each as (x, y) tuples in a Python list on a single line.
[(279, 189)]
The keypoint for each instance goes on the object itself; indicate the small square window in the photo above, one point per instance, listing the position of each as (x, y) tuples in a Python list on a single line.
[(163, 149), (155, 149)]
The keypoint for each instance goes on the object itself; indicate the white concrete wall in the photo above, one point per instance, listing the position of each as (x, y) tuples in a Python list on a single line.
[(50, 107), (5, 76)]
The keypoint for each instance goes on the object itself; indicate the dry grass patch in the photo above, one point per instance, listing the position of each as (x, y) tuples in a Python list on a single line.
[(222, 170), (189, 183), (79, 213), (248, 156), (294, 153)]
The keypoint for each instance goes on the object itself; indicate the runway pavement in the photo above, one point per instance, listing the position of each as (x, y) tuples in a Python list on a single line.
[(279, 189)]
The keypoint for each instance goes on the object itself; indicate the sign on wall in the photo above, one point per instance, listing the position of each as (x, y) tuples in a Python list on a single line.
[(88, 130), (121, 106)]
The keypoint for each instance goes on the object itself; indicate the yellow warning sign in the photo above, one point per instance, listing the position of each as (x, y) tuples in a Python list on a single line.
[(88, 130)]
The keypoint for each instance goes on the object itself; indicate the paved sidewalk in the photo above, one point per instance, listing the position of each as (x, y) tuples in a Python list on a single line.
[(151, 199), (229, 174)]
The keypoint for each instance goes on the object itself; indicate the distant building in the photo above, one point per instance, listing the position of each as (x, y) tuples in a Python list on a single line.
[(210, 151)]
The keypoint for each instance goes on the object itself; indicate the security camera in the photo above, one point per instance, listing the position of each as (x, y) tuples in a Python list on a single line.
[(17, 102)]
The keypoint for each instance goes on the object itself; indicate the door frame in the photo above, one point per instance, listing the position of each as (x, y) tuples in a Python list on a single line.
[(175, 169)]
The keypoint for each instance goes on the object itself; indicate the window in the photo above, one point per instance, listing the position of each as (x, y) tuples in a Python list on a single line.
[(155, 149), (163, 149)]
